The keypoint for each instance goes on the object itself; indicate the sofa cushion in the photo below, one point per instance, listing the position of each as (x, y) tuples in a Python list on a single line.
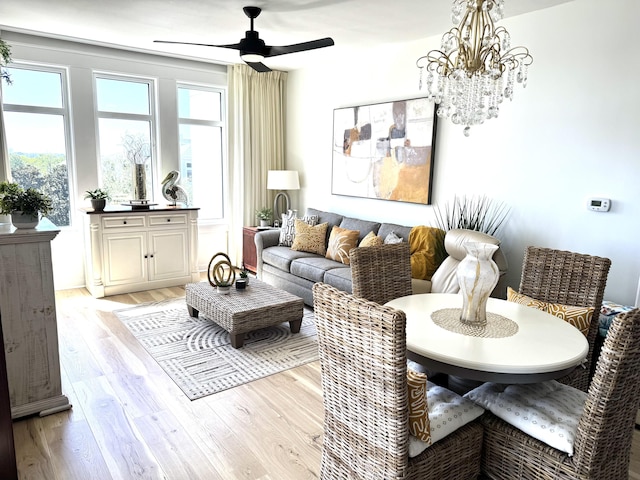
[(313, 268), (310, 239), (363, 226), (370, 240), (288, 228), (339, 277), (400, 230), (341, 241), (281, 257)]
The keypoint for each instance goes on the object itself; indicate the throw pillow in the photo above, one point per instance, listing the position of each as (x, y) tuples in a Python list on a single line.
[(427, 251), (392, 238), (310, 238), (549, 411), (579, 317), (341, 241), (370, 240), (418, 410), (288, 228)]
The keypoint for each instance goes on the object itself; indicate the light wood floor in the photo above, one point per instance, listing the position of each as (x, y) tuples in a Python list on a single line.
[(130, 421)]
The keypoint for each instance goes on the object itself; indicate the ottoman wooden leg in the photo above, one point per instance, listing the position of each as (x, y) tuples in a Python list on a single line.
[(192, 311), (294, 325), (237, 339)]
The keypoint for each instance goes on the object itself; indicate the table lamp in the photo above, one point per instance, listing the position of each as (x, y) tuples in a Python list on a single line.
[(282, 180)]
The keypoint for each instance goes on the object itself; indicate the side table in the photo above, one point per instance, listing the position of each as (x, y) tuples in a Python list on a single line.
[(249, 258)]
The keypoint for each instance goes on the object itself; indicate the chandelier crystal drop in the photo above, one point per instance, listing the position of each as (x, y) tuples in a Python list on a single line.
[(476, 67)]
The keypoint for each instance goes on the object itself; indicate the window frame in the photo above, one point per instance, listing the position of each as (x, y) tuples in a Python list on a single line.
[(151, 117), (65, 112), (222, 124)]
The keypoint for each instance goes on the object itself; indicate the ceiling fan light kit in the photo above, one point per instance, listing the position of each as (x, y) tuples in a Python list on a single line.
[(252, 48)]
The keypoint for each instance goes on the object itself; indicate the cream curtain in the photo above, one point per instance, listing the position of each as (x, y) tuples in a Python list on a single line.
[(4, 153), (256, 145)]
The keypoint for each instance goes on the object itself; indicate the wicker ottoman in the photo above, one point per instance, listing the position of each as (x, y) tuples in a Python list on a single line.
[(241, 311)]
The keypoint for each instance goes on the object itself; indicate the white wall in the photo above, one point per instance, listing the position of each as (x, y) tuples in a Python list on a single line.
[(81, 60), (571, 134)]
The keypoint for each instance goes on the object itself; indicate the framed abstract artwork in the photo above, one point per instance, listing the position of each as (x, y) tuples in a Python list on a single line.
[(385, 150)]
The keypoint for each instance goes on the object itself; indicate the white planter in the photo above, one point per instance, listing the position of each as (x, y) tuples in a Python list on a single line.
[(20, 220), (223, 290)]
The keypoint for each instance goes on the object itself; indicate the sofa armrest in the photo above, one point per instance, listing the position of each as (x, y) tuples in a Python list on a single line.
[(264, 239)]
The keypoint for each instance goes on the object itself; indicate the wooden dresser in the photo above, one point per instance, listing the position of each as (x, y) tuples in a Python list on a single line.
[(29, 324)]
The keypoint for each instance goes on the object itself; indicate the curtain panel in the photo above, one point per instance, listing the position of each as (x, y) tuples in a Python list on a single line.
[(256, 145)]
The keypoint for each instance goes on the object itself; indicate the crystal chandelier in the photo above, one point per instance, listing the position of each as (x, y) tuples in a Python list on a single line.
[(476, 67)]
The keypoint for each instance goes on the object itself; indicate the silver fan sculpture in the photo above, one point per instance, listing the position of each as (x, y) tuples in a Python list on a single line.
[(172, 192)]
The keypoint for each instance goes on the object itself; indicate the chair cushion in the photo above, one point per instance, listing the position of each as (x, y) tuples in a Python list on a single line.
[(310, 239), (418, 408), (341, 241), (579, 317), (370, 240), (288, 228), (448, 411), (549, 411)]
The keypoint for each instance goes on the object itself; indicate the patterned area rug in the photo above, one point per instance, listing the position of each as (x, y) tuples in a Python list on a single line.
[(198, 355)]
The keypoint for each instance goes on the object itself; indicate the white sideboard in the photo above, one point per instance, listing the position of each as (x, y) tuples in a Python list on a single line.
[(134, 250), (28, 311)]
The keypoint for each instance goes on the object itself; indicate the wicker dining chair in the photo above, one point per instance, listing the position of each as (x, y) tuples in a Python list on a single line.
[(602, 446), (567, 278), (381, 273), (362, 348)]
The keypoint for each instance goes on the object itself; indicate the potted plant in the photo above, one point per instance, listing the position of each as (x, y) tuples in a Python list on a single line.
[(223, 287), (98, 198), (244, 274), (264, 215), (25, 206)]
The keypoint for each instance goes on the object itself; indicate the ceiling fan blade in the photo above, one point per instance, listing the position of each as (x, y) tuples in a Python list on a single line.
[(259, 67), (235, 46), (272, 51)]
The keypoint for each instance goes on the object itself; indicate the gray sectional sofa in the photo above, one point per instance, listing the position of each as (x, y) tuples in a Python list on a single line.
[(296, 272)]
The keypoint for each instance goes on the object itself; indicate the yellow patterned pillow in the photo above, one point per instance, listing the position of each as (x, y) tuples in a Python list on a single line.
[(370, 240), (419, 425), (579, 317), (341, 241), (310, 239)]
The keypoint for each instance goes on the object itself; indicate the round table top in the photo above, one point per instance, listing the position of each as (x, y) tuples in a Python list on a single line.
[(542, 344)]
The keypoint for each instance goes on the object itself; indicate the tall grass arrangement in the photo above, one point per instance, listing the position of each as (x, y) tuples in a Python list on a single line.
[(472, 213)]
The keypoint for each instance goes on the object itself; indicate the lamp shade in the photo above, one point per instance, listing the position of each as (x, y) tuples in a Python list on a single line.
[(282, 180)]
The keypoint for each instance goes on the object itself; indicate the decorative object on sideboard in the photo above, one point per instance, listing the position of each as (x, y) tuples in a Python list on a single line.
[(264, 215), (221, 273), (477, 276), (98, 198), (26, 207), (282, 180), (476, 67), (138, 151), (385, 150), (172, 192)]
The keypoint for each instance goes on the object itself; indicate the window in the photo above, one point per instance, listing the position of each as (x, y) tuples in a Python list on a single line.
[(126, 117), (201, 132), (37, 127)]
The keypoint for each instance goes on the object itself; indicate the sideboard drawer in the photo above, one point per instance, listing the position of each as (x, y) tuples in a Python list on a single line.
[(120, 222), (167, 220)]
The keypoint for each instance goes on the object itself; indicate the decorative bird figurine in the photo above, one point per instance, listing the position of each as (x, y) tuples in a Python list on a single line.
[(172, 192)]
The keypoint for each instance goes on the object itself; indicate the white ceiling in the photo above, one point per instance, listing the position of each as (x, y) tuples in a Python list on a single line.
[(136, 23)]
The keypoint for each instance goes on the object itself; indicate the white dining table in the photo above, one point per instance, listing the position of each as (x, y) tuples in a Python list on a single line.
[(543, 348)]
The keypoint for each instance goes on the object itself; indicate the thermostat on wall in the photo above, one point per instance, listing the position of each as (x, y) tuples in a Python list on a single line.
[(599, 204)]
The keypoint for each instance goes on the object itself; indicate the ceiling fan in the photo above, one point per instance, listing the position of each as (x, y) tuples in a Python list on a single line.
[(253, 49)]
